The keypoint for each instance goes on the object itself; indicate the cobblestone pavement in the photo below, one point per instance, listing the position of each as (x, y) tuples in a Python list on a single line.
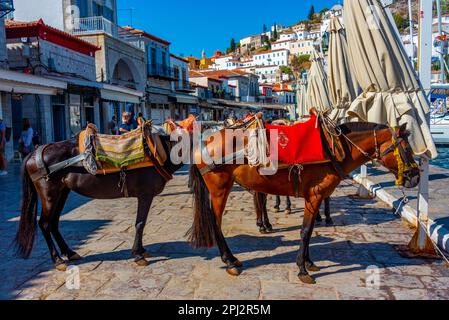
[(102, 231)]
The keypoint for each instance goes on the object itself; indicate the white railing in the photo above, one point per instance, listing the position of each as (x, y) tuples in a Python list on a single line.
[(91, 25)]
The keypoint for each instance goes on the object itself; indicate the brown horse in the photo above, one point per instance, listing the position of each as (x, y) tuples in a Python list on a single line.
[(143, 184), (362, 142)]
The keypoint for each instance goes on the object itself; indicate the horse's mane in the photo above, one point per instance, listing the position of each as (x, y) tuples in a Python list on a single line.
[(361, 127)]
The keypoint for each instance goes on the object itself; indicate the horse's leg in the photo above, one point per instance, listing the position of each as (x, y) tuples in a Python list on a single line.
[(259, 211), (277, 206), (45, 223), (143, 208), (260, 202), (265, 220), (288, 210), (218, 201), (303, 261), (65, 249), (327, 212)]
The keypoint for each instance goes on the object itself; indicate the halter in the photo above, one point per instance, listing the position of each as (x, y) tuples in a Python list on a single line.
[(404, 165)]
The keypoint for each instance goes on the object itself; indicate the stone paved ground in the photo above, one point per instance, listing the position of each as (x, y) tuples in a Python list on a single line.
[(102, 231)]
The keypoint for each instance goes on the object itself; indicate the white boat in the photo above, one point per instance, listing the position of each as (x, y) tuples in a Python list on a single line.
[(439, 127)]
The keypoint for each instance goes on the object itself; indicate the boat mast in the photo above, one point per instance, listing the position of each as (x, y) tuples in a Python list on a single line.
[(440, 33), (411, 24)]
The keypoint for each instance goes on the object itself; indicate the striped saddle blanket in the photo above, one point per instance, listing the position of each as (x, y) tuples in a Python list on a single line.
[(130, 151)]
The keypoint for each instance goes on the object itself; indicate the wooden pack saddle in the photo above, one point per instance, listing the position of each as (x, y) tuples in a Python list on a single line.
[(111, 154)]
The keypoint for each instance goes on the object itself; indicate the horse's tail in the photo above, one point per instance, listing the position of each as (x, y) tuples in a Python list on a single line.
[(28, 218), (205, 228)]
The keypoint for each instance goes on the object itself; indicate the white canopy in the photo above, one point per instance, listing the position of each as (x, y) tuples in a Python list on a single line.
[(317, 90), (343, 87), (392, 92)]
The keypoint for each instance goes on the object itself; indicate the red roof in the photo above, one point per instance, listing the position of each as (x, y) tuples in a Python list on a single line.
[(146, 35), (16, 30)]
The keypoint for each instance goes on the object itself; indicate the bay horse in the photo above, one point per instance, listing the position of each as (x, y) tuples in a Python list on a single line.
[(143, 184), (363, 142)]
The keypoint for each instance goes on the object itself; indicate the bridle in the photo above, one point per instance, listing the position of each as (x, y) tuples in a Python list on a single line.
[(405, 166)]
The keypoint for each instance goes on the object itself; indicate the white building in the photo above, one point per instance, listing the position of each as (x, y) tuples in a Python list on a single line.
[(287, 36), (279, 57), (281, 44)]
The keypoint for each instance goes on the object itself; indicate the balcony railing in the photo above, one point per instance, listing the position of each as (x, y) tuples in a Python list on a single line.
[(91, 25), (160, 71), (182, 85)]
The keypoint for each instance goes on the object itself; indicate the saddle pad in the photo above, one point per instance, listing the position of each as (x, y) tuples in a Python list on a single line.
[(120, 151), (299, 144)]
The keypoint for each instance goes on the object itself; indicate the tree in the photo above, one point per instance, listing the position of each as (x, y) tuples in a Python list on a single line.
[(401, 22), (286, 70), (311, 15), (299, 64), (324, 10), (264, 29), (233, 46)]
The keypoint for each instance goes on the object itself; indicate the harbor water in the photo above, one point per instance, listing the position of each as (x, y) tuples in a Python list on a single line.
[(443, 158)]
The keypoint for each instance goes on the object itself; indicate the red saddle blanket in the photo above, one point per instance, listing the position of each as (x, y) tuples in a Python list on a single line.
[(298, 144)]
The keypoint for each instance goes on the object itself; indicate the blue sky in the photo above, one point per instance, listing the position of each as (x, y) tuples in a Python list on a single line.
[(196, 24)]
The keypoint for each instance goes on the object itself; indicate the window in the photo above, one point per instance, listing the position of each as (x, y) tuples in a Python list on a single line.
[(84, 10)]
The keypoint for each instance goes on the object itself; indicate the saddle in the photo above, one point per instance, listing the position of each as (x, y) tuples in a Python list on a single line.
[(106, 154), (307, 143)]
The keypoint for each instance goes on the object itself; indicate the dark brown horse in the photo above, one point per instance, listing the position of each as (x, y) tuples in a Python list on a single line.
[(362, 142), (143, 184)]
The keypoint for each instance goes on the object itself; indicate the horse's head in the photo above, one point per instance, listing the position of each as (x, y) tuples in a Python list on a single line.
[(397, 156)]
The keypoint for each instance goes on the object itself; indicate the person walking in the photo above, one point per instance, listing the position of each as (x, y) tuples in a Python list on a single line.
[(112, 126), (26, 138), (3, 163), (140, 120)]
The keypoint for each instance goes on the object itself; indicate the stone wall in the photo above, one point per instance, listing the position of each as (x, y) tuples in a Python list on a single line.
[(112, 51), (41, 52)]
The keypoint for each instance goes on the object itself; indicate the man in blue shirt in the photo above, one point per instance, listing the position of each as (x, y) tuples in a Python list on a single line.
[(126, 125)]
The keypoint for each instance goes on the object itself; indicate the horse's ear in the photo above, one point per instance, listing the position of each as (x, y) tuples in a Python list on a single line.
[(403, 132)]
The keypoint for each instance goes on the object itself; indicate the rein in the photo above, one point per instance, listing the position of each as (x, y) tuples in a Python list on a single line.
[(396, 147)]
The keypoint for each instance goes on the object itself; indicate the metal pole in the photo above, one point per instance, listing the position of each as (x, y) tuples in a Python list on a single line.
[(421, 242), (440, 33), (412, 42)]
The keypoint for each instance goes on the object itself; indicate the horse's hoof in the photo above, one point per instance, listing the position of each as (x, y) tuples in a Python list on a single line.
[(263, 231), (74, 257), (61, 266), (329, 222), (142, 262), (307, 279), (238, 263), (318, 218), (269, 229), (146, 255), (275, 210), (288, 211), (312, 267), (233, 271)]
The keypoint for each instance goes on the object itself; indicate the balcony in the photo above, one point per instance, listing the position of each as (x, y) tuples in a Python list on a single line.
[(160, 71), (182, 85), (6, 7), (93, 25)]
